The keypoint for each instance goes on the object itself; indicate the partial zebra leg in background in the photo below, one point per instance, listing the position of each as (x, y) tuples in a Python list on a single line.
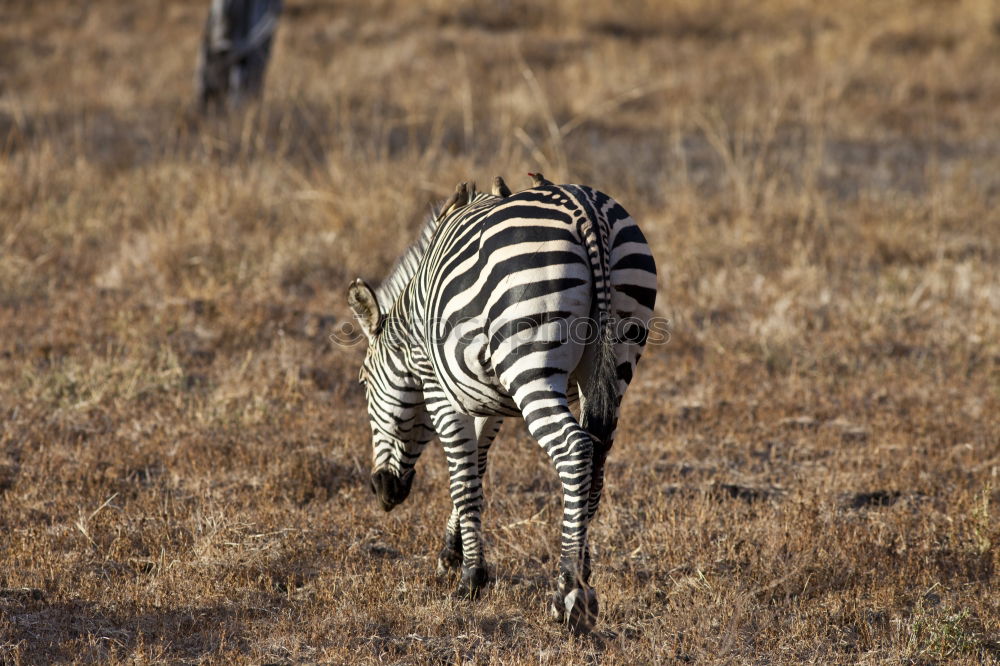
[(235, 50), (550, 421), (450, 557)]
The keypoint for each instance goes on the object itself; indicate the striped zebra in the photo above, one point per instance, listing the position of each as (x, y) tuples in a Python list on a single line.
[(508, 306)]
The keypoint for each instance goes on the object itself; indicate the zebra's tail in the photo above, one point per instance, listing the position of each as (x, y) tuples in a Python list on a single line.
[(601, 390)]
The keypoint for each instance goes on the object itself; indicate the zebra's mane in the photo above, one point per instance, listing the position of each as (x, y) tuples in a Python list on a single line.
[(406, 266)]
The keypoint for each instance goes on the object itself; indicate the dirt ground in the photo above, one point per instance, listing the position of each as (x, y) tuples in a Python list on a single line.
[(806, 472)]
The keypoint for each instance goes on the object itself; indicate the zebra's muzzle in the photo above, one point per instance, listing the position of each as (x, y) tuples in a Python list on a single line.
[(391, 489)]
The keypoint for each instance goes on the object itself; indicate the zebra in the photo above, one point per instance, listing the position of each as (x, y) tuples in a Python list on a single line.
[(508, 306)]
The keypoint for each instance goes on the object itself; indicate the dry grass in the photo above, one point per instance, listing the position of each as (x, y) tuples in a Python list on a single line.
[(806, 472)]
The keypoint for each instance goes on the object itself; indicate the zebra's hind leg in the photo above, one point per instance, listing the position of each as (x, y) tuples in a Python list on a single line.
[(571, 449), (603, 435), (603, 430)]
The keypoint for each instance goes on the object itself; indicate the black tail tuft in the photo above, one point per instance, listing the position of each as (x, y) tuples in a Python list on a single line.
[(601, 392)]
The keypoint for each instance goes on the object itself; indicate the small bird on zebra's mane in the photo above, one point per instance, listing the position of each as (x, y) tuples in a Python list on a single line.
[(539, 179), (500, 188), (456, 200)]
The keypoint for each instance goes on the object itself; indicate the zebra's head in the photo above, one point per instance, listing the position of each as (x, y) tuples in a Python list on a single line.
[(399, 420)]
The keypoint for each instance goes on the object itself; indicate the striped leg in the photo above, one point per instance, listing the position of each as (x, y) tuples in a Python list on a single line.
[(450, 557), (601, 450), (460, 436), (627, 356), (571, 448)]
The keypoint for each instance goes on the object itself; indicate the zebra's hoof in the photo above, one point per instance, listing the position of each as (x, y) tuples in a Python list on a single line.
[(581, 610), (557, 611), (473, 581), (448, 560)]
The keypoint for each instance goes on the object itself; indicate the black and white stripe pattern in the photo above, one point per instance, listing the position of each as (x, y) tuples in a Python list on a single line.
[(509, 306)]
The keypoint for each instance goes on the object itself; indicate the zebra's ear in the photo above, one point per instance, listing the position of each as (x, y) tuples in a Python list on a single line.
[(365, 307)]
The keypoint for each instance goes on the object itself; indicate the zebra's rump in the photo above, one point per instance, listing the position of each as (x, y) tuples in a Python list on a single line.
[(512, 290)]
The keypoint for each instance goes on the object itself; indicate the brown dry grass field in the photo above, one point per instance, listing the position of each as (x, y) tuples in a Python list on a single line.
[(806, 472)]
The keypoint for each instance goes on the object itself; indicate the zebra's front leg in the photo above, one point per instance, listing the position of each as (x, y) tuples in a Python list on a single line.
[(450, 557), (459, 435)]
